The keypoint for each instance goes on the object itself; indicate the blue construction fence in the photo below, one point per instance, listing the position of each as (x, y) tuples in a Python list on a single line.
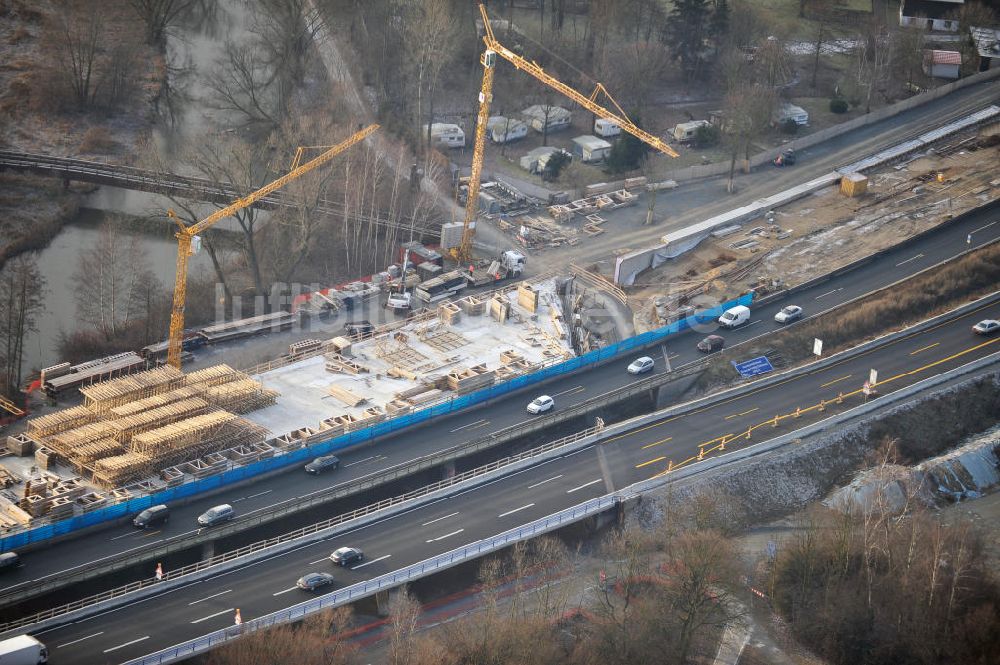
[(302, 455)]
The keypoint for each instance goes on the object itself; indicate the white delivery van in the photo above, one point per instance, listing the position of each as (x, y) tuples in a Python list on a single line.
[(734, 317), (23, 650)]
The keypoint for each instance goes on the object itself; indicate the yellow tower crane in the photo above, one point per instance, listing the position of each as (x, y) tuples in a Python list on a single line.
[(187, 234), (488, 60)]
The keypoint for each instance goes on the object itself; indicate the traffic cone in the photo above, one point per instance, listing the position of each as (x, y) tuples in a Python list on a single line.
[(822, 405), (840, 398), (701, 454), (798, 411), (775, 423)]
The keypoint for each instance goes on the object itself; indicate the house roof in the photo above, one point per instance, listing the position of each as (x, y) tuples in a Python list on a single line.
[(591, 141), (943, 57), (929, 8)]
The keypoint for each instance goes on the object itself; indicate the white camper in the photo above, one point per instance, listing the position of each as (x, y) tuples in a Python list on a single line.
[(606, 128), (447, 135), (505, 130), (787, 112), (686, 131), (590, 149), (555, 117)]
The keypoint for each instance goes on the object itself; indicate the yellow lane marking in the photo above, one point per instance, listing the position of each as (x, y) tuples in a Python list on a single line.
[(737, 415), (150, 533), (929, 346), (652, 461), (830, 383), (656, 443), (727, 438)]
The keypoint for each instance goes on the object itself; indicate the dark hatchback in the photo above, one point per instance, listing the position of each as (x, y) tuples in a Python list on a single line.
[(321, 464)]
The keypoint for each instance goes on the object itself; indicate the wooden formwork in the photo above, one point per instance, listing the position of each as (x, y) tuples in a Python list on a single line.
[(183, 434), (337, 363), (103, 396), (126, 428), (240, 396), (346, 396), (213, 376), (466, 380), (449, 313), (154, 402), (499, 309), (115, 471), (443, 340), (473, 305), (527, 297), (65, 442), (396, 352), (86, 455), (59, 421), (372, 415)]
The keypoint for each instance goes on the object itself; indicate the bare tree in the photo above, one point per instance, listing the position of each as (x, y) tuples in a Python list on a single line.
[(22, 287), (404, 614), (245, 83), (747, 111), (112, 282), (158, 15), (872, 59), (75, 35)]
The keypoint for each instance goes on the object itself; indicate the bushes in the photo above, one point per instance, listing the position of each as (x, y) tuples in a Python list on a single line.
[(838, 105), (790, 127), (99, 140), (707, 136)]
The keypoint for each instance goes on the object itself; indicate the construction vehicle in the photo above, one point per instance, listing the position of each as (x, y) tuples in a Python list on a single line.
[(189, 242), (488, 60), (508, 265)]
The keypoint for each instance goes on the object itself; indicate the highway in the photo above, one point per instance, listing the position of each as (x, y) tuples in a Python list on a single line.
[(983, 226), (265, 586)]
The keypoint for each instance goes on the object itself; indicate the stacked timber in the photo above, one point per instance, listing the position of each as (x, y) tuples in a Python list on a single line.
[(190, 433), (59, 421), (65, 443), (240, 396), (125, 428), (154, 402), (102, 397), (118, 470), (467, 380), (213, 376)]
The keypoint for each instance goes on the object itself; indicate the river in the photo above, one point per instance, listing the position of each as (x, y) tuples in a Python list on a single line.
[(192, 50)]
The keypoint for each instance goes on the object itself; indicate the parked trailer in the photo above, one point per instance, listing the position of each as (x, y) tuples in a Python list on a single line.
[(441, 287), (23, 650), (61, 378)]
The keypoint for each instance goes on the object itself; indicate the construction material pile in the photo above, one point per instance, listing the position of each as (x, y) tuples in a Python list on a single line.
[(133, 427)]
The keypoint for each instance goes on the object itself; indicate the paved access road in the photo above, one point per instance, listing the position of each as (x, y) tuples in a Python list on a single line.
[(266, 586), (983, 226)]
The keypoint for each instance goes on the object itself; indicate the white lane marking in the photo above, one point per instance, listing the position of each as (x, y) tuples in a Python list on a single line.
[(124, 535), (254, 496), (214, 595), (122, 646), (440, 518), (481, 421), (511, 512), (368, 563), (531, 487), (599, 480), (285, 591), (753, 323), (313, 563), (823, 295), (982, 228), (361, 461), (576, 389), (212, 616), (60, 646), (447, 535), (912, 258)]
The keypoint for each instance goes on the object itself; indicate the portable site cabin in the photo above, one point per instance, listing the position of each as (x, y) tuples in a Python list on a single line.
[(504, 130), (606, 128), (535, 160), (787, 112), (447, 135), (538, 116), (590, 149), (686, 131)]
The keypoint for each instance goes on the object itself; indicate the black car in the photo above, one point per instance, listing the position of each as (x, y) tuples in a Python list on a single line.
[(345, 556), (359, 329), (152, 517), (321, 464), (313, 581), (9, 561), (711, 343)]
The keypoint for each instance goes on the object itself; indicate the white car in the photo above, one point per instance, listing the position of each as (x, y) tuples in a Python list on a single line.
[(641, 365), (789, 314), (541, 404), (986, 327)]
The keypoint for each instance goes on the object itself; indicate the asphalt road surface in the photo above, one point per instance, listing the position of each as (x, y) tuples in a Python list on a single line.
[(983, 227), (268, 585)]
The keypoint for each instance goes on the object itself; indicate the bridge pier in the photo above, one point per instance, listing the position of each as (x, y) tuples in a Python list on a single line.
[(448, 470), (208, 549), (383, 602), (670, 393)]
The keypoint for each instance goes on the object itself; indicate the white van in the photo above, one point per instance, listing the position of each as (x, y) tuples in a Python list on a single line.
[(734, 317), (216, 515)]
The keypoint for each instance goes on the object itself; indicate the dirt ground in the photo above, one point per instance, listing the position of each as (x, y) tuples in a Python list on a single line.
[(827, 230)]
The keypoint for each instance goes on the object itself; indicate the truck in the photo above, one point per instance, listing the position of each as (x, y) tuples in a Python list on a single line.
[(23, 650), (441, 287), (508, 265)]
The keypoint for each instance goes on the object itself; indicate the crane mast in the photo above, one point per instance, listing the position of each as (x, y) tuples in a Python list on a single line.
[(186, 234), (488, 59)]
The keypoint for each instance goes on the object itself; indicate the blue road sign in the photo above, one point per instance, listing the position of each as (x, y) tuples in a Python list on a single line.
[(753, 367)]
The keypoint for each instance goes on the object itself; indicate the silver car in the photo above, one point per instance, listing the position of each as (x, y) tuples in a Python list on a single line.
[(641, 365), (789, 314)]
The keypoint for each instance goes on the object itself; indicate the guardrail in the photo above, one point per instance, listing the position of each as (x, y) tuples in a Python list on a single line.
[(366, 435), (535, 528), (388, 581), (292, 536)]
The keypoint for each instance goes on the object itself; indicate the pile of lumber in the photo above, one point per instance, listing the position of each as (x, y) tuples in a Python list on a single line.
[(241, 396), (346, 396), (213, 376), (121, 469), (59, 421), (467, 380), (179, 435)]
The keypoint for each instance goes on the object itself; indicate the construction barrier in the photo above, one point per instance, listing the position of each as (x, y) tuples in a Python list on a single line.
[(367, 435)]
